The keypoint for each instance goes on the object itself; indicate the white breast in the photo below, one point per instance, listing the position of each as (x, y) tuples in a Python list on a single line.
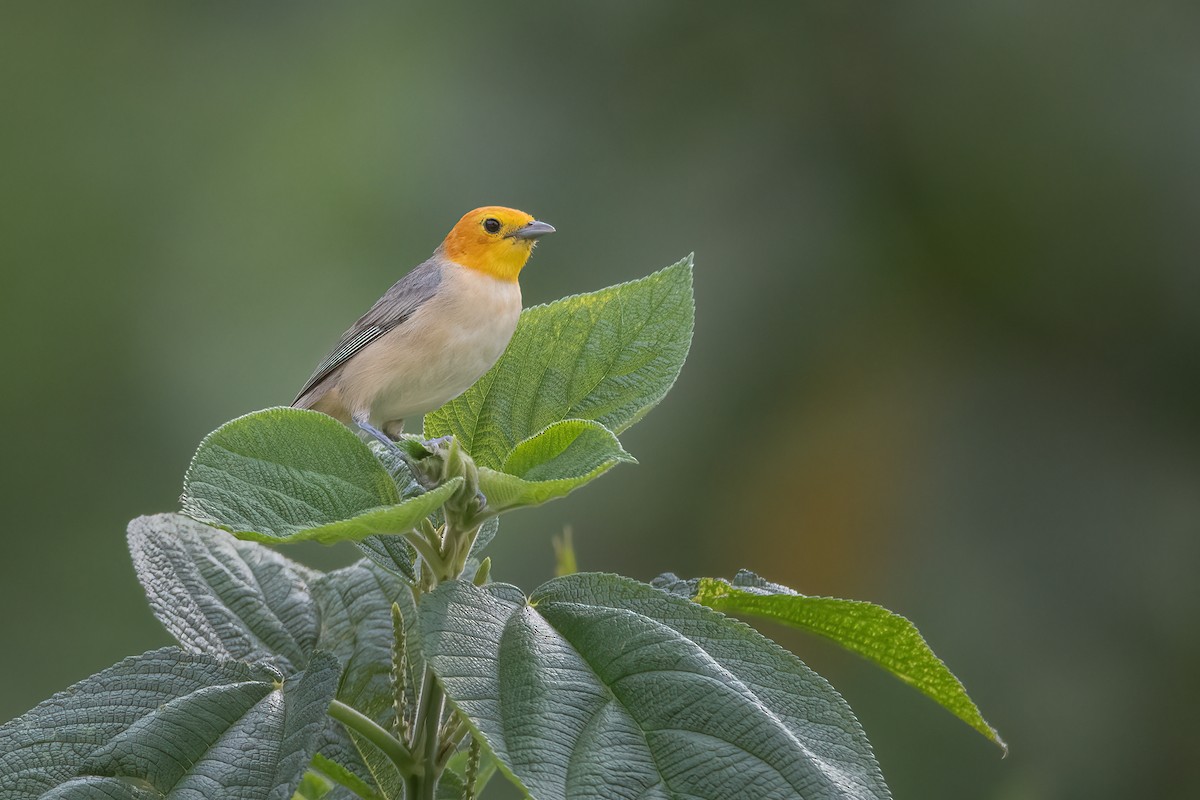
[(441, 350)]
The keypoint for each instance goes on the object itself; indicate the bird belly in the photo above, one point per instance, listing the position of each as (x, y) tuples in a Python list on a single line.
[(435, 355)]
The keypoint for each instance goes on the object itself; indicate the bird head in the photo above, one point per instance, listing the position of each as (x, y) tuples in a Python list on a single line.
[(494, 240)]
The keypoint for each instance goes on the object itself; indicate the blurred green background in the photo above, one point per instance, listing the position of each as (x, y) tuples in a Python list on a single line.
[(946, 345)]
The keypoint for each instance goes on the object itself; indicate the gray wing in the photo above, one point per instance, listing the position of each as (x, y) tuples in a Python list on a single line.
[(397, 304)]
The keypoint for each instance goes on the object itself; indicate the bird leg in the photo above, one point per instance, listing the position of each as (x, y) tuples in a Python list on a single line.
[(364, 425)]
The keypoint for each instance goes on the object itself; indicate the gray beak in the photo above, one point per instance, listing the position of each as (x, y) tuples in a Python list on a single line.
[(533, 230)]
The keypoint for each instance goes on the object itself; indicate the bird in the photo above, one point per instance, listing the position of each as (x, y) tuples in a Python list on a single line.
[(434, 332)]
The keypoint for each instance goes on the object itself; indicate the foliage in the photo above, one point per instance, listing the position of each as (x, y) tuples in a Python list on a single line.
[(409, 674)]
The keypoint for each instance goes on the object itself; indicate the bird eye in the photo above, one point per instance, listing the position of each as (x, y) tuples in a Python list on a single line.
[(491, 225)]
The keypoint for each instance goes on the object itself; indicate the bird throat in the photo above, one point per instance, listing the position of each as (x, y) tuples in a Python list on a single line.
[(502, 260)]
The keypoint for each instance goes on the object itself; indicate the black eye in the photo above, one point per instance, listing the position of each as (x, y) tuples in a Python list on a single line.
[(491, 225)]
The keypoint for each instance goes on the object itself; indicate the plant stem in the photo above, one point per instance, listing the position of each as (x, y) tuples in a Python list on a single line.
[(443, 553), (452, 735), (374, 733), (427, 551), (430, 720)]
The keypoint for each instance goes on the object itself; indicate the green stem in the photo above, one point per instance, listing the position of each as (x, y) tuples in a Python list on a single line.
[(443, 553), (374, 733), (452, 735), (431, 722), (436, 563), (465, 540)]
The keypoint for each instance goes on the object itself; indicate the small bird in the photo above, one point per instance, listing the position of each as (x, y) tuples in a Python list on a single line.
[(435, 332)]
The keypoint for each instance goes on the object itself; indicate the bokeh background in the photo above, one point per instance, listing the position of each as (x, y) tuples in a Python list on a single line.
[(946, 345)]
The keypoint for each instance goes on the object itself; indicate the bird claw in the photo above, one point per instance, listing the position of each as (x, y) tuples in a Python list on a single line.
[(432, 444), (376, 434)]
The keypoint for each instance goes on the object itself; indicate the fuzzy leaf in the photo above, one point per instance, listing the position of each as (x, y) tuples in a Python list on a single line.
[(356, 616), (170, 722), (607, 356), (602, 687), (568, 449), (393, 553), (286, 474), (551, 464), (356, 626), (882, 637), (338, 758), (220, 596)]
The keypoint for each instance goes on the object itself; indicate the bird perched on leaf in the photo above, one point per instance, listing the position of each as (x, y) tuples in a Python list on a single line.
[(435, 332)]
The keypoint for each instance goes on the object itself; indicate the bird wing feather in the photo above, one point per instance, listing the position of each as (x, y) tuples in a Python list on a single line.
[(398, 303)]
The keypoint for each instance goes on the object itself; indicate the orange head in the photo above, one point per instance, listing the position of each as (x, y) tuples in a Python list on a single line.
[(494, 240)]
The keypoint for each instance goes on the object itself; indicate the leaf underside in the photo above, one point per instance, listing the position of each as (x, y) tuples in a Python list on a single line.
[(601, 687), (171, 722), (224, 597)]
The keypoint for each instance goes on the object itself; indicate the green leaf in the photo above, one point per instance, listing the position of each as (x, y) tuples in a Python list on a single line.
[(568, 449), (92, 787), (453, 782), (356, 626), (338, 759), (551, 464), (220, 596), (882, 637), (350, 781), (388, 780), (171, 722), (287, 474), (487, 532), (313, 786), (602, 687), (393, 553), (607, 356)]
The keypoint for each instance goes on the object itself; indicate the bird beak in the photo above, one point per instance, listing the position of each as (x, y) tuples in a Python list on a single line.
[(533, 230)]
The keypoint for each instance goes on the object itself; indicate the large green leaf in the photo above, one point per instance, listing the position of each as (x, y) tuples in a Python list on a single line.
[(885, 638), (224, 597), (170, 722), (356, 626), (552, 463), (286, 474), (602, 687), (607, 356), (93, 787), (393, 553)]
